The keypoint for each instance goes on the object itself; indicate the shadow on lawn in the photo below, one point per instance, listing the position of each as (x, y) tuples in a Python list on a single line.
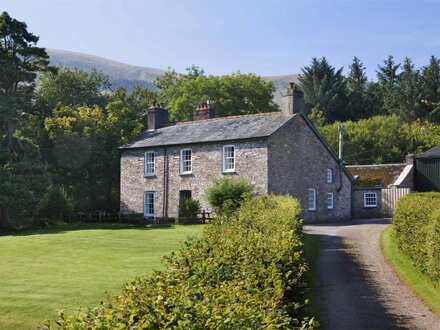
[(56, 229)]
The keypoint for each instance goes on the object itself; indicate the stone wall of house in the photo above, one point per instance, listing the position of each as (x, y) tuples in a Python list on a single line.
[(298, 161), (362, 212), (250, 163)]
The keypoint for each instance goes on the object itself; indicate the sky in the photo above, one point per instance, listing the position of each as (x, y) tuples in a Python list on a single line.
[(266, 37)]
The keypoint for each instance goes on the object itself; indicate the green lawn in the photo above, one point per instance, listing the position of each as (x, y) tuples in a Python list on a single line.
[(418, 282), (65, 268)]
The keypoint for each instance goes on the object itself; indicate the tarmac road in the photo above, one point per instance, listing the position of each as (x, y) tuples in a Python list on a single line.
[(357, 289)]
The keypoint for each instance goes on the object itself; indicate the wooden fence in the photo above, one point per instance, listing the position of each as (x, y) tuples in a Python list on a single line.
[(389, 199)]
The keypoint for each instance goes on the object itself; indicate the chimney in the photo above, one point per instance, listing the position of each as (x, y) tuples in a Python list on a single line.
[(157, 116), (204, 111), (293, 100)]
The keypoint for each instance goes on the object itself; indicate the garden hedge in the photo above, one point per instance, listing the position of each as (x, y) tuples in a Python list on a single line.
[(245, 272), (417, 229)]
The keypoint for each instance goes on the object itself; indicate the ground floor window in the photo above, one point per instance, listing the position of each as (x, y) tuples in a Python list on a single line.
[(148, 204), (330, 201), (311, 200), (370, 199)]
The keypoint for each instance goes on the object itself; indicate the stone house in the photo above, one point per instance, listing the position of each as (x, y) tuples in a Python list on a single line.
[(280, 153), (377, 188)]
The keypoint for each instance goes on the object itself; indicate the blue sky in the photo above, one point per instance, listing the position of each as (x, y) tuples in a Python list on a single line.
[(264, 37)]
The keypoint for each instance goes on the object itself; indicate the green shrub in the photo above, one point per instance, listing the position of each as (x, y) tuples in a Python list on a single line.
[(433, 246), (226, 195), (55, 203), (245, 272), (189, 209), (417, 230)]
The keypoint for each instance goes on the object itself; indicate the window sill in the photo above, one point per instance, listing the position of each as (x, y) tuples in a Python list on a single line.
[(370, 207), (311, 210), (229, 172), (186, 173), (149, 176)]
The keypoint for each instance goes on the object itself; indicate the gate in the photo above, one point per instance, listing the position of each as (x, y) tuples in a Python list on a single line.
[(389, 199)]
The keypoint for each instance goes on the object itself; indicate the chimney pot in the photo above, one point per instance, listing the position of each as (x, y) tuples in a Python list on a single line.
[(293, 100), (203, 111), (157, 116)]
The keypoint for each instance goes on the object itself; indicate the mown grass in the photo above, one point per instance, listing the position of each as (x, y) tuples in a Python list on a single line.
[(311, 253), (68, 267), (408, 273)]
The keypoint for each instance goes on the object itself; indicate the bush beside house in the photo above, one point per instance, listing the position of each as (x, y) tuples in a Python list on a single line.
[(417, 229), (246, 271)]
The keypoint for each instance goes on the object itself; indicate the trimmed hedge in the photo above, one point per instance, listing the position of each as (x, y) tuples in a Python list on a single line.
[(417, 229), (245, 272)]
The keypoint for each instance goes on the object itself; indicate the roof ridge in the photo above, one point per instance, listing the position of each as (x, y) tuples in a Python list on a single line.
[(228, 117)]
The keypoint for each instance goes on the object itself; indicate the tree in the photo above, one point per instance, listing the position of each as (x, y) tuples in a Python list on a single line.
[(324, 89), (430, 88), (357, 84), (233, 94), (70, 88), (388, 78), (20, 61), (55, 203), (408, 92)]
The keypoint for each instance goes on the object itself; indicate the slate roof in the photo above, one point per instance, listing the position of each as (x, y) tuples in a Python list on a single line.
[(212, 130), (431, 153)]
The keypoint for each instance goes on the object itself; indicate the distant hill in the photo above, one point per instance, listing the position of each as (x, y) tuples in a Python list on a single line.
[(121, 74), (128, 76)]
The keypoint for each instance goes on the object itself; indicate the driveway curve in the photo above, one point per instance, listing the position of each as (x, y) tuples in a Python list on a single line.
[(356, 288)]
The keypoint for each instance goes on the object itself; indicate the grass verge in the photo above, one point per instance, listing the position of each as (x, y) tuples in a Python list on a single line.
[(42, 270), (410, 275), (311, 253)]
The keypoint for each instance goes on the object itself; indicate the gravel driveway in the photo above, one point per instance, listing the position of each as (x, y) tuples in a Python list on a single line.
[(357, 288)]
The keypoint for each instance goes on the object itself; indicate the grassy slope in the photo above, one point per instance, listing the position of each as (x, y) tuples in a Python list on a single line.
[(45, 270), (419, 283)]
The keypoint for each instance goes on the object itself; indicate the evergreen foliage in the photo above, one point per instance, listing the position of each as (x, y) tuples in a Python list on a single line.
[(55, 203), (189, 208), (324, 89)]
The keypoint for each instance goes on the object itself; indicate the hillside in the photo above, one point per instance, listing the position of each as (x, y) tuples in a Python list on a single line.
[(128, 76), (121, 74)]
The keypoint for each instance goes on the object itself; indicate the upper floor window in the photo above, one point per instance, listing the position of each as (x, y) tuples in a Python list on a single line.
[(370, 199), (148, 204), (329, 175), (185, 161), (311, 200), (228, 159), (330, 201), (149, 163)]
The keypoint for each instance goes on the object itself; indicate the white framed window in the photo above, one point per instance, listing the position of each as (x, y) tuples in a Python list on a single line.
[(370, 199), (311, 200), (185, 161), (330, 201), (148, 203), (228, 158), (149, 163), (329, 175)]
